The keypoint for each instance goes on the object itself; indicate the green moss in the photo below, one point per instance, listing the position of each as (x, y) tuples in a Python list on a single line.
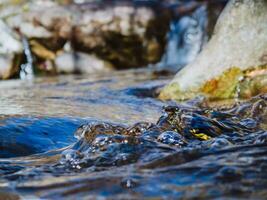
[(232, 83), (254, 82), (173, 91), (223, 86)]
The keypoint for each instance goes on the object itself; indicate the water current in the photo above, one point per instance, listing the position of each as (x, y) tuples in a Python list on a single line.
[(107, 136)]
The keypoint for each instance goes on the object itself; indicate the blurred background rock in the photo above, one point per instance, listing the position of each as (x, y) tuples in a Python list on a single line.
[(48, 37)]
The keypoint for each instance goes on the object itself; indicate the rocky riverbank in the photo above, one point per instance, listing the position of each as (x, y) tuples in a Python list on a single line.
[(81, 38), (51, 37)]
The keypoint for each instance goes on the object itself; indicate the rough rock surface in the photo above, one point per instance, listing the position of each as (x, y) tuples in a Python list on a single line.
[(121, 34), (238, 43), (10, 47)]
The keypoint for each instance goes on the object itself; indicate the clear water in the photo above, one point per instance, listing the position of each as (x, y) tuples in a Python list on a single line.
[(26, 70), (77, 137), (107, 136)]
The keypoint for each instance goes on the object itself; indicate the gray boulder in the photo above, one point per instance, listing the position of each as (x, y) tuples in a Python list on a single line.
[(235, 56)]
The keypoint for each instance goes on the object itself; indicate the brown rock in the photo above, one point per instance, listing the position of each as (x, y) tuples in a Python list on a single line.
[(122, 34)]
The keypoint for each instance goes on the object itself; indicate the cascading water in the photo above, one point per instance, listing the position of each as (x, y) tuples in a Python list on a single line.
[(26, 69), (185, 39)]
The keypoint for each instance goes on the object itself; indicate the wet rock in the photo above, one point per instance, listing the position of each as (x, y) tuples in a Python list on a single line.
[(249, 123), (190, 123), (91, 130), (10, 49), (138, 128), (261, 139), (253, 110), (229, 174), (219, 143), (172, 138), (206, 124), (180, 126), (253, 82), (238, 44)]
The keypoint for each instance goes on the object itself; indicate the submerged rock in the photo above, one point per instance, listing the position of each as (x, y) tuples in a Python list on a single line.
[(238, 44), (184, 129), (183, 122), (172, 138)]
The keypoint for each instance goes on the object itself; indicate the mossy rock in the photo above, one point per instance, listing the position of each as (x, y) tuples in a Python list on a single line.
[(233, 83), (238, 45)]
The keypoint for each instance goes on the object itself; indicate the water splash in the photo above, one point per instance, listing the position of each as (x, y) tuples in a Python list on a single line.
[(111, 158), (26, 70)]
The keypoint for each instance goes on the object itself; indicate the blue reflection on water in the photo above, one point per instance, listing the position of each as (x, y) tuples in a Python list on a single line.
[(30, 135)]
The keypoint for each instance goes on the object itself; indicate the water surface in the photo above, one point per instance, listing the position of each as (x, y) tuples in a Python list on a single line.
[(108, 136)]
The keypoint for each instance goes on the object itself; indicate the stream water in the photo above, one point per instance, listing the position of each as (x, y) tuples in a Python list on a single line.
[(107, 136)]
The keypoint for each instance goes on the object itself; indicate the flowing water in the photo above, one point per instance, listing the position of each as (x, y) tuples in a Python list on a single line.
[(107, 136), (185, 39), (26, 70)]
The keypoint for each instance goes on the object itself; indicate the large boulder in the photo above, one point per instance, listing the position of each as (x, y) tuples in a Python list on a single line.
[(234, 62)]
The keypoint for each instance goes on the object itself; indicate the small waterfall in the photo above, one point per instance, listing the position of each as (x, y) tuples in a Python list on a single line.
[(185, 39), (26, 69)]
